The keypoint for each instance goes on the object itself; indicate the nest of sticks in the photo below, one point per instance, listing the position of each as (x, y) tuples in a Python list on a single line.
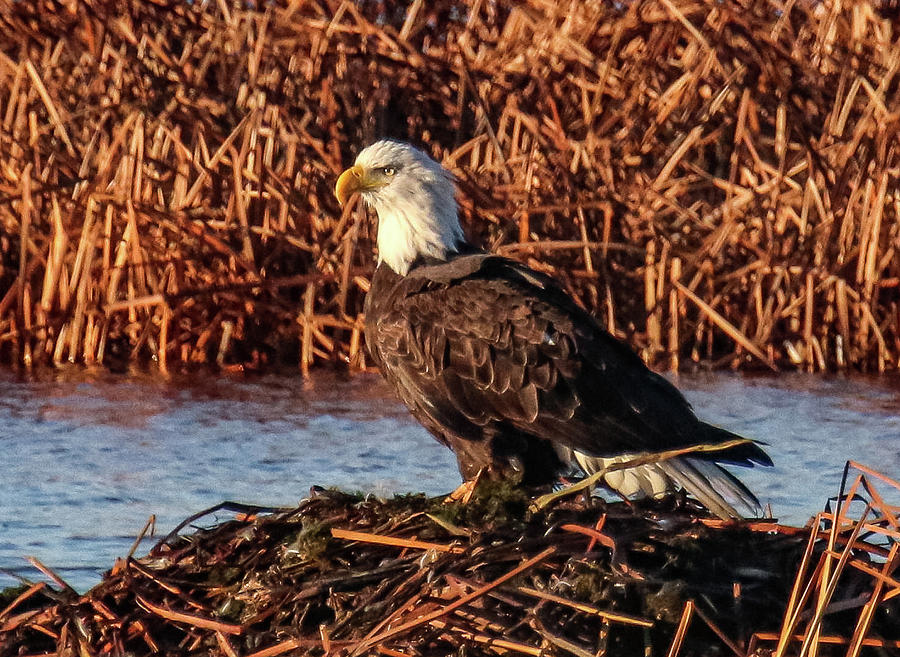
[(344, 575), (717, 180)]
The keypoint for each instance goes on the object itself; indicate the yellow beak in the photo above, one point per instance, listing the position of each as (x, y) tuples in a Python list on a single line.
[(353, 180)]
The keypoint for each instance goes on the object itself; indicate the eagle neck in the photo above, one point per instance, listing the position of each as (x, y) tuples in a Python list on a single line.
[(408, 232)]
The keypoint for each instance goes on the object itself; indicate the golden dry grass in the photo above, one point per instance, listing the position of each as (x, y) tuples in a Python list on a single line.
[(717, 180)]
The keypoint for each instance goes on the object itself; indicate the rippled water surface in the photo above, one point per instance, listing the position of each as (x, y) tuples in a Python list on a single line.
[(86, 462)]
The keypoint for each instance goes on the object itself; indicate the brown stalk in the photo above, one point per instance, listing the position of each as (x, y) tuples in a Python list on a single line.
[(192, 620), (51, 107), (865, 616), (827, 587), (56, 579), (22, 597), (726, 326), (501, 645), (364, 537), (586, 608), (443, 611), (681, 631)]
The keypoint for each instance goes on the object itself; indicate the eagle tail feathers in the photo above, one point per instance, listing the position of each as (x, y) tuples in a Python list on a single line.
[(745, 455), (713, 486)]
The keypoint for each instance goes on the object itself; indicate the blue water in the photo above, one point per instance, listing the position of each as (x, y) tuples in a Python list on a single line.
[(87, 461)]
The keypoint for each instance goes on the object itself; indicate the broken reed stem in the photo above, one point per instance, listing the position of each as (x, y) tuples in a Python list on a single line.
[(22, 597), (865, 617), (588, 609), (826, 576), (489, 641), (192, 620), (365, 537), (686, 615), (827, 587), (307, 322), (443, 611), (726, 326)]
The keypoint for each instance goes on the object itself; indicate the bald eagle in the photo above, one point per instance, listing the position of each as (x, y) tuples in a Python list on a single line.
[(502, 366)]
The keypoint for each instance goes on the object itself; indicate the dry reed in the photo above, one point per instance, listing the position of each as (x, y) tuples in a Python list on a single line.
[(717, 180)]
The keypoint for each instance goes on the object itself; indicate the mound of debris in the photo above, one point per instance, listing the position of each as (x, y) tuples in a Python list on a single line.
[(343, 574)]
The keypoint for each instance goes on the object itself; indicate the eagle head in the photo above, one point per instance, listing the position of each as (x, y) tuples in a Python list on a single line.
[(414, 198)]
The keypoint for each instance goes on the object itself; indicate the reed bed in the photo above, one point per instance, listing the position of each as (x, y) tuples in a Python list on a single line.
[(343, 575), (717, 180)]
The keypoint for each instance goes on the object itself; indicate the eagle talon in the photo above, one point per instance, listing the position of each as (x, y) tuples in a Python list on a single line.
[(464, 492)]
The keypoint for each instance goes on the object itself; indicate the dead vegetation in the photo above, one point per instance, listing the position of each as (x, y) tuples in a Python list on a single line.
[(717, 180), (342, 576)]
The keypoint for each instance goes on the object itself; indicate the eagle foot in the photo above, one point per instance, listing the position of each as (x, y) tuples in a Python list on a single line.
[(463, 493), (587, 483)]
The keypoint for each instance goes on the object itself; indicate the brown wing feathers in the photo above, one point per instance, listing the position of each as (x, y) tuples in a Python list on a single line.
[(474, 345), (499, 351)]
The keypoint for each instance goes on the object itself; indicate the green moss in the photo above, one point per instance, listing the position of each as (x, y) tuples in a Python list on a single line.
[(10, 593), (494, 505), (309, 544), (589, 585), (667, 603), (222, 575), (406, 503)]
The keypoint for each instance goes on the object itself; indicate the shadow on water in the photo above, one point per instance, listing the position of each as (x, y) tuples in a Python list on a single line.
[(90, 458)]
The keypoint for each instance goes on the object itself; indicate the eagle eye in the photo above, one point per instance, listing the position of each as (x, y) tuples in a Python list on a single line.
[(388, 171)]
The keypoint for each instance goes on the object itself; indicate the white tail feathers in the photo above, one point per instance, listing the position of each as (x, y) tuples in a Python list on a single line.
[(713, 486)]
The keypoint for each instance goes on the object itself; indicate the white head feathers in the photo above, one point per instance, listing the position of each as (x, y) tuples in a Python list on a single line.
[(414, 198)]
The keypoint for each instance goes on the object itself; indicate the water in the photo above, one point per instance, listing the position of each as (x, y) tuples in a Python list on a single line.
[(86, 462)]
